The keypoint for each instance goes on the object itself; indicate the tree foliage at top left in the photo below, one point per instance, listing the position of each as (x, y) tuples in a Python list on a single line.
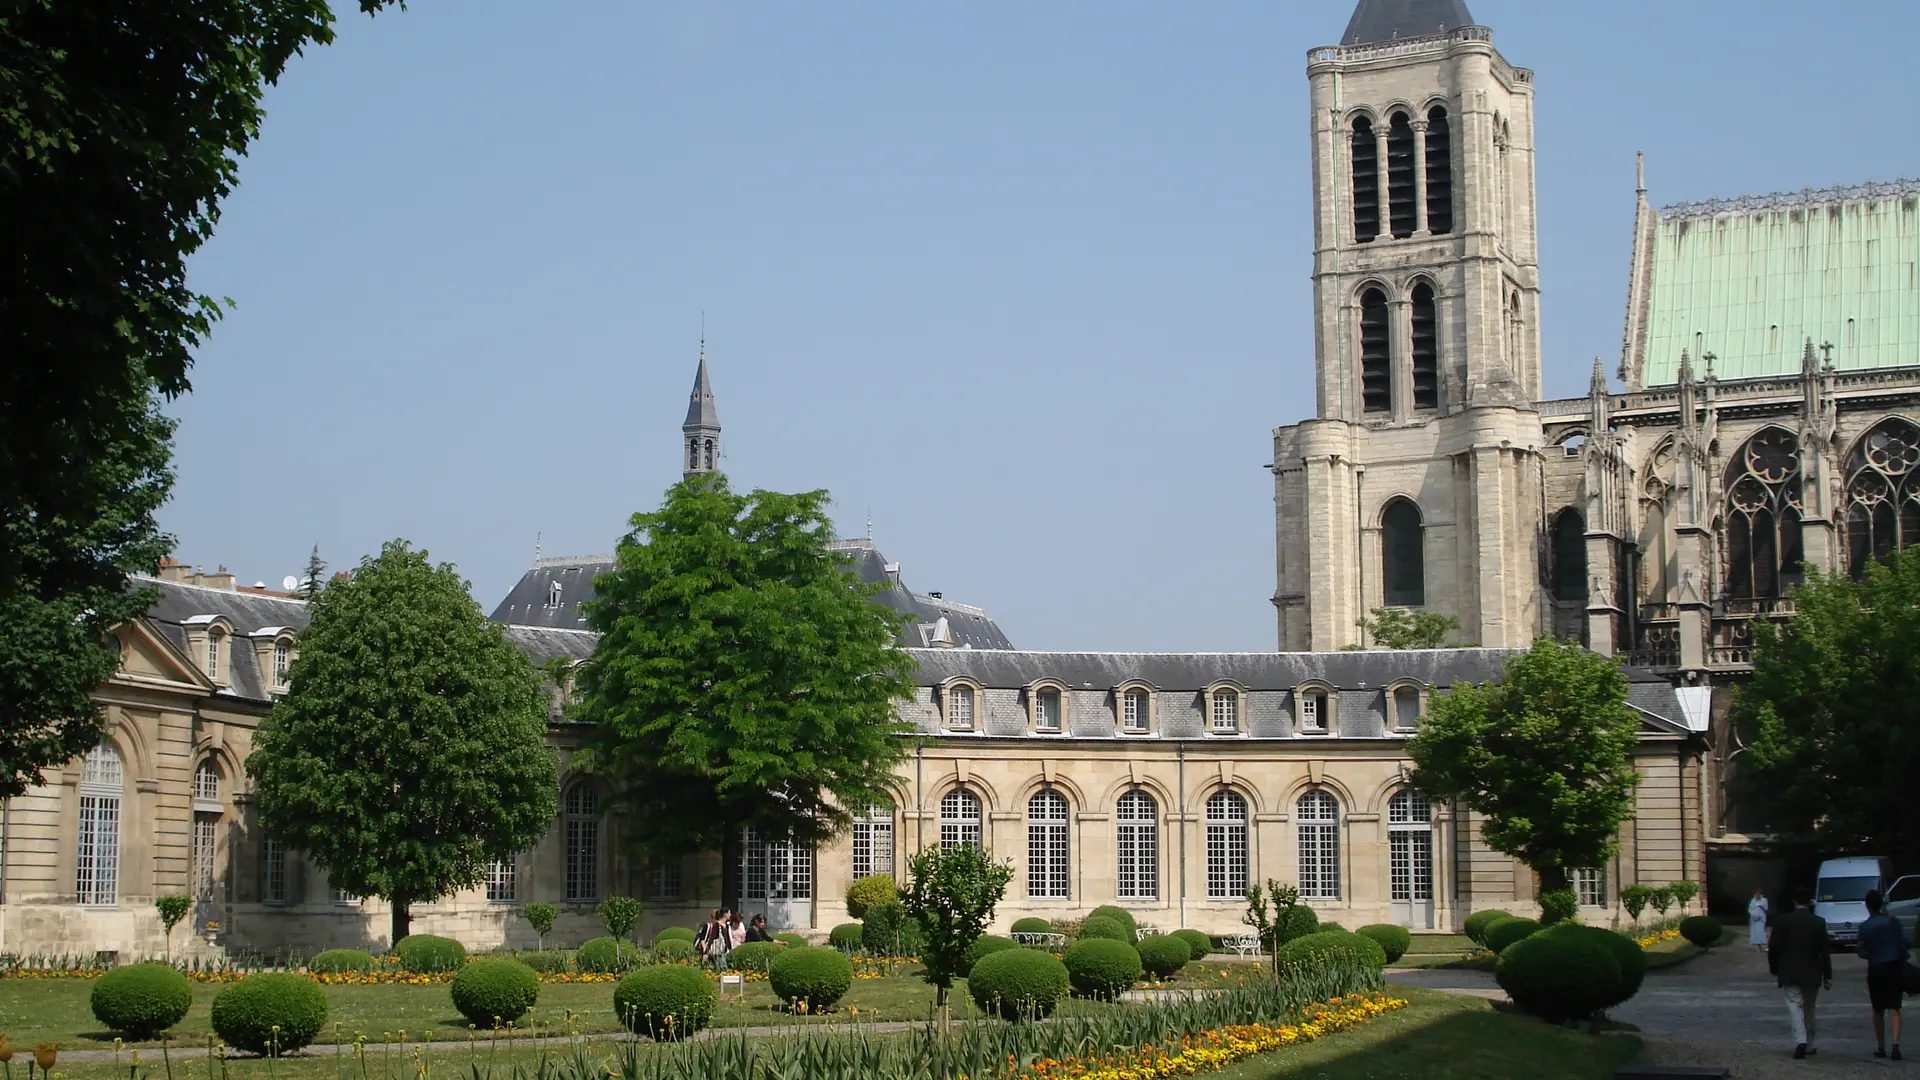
[(122, 124)]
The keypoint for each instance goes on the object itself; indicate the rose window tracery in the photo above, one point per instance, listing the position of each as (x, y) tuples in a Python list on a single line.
[(1882, 493)]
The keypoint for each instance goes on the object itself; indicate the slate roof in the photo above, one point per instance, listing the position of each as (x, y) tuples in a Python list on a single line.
[(701, 410), (1389, 20), (181, 603)]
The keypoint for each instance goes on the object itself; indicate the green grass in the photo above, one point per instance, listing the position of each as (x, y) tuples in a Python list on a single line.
[(1441, 943)]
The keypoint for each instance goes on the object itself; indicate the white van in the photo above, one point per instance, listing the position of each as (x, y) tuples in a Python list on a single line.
[(1840, 893)]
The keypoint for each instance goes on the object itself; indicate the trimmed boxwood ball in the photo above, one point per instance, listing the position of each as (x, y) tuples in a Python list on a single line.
[(429, 954), (1702, 930), (1031, 925), (1018, 984), (985, 945), (1120, 915), (1626, 952), (868, 892), (335, 961), (1507, 931), (755, 955), (492, 991), (1360, 949), (1102, 968), (674, 951), (846, 937), (666, 1001), (1163, 955), (1198, 943), (141, 1000), (798, 941), (1100, 926), (246, 1013), (819, 977), (675, 933), (1393, 940), (1558, 977), (603, 954), (1477, 923), (1299, 921)]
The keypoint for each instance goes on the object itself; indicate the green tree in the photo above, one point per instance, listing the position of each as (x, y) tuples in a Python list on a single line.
[(1545, 753), (1400, 628), (742, 678), (315, 578), (1832, 714), (619, 914), (952, 896), (540, 916), (409, 750), (124, 124)]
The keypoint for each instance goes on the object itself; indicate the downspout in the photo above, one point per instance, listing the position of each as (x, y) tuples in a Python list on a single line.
[(6, 813), (919, 802), (1682, 778), (1182, 796)]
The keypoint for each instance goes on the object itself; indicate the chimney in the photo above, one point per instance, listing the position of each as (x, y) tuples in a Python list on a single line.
[(171, 569), (219, 579)]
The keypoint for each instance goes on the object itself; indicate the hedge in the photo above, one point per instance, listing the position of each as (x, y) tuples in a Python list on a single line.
[(494, 991), (675, 933), (1198, 943), (545, 961), (429, 954), (246, 1013), (1702, 930), (1393, 940), (1018, 984), (1477, 923), (754, 955), (798, 941), (1626, 952), (1558, 976), (1163, 955), (1120, 915), (817, 977), (847, 937), (1102, 968), (1031, 925), (141, 1000), (674, 952), (1102, 926), (1507, 931), (985, 945), (335, 961), (667, 1001), (1362, 949)]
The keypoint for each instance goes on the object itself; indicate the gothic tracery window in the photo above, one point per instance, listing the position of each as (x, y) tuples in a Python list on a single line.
[(1763, 516), (1882, 493)]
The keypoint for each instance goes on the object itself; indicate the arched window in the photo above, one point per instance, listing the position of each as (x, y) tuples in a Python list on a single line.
[(1882, 495), (1439, 172), (1513, 335), (1403, 556), (1376, 355), (1137, 872), (1409, 853), (1402, 210), (873, 841), (710, 454), (1226, 846), (206, 828), (1047, 845), (583, 843), (1366, 181), (1763, 516), (1569, 556), (1317, 814), (206, 781), (97, 855), (960, 708), (1426, 349), (959, 819), (693, 455)]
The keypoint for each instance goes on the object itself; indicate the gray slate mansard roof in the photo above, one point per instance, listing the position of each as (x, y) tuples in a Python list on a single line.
[(549, 595), (1390, 20), (180, 602)]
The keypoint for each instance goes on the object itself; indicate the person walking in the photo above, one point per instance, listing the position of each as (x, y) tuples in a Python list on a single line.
[(757, 929), (1800, 956), (1757, 920), (1884, 948)]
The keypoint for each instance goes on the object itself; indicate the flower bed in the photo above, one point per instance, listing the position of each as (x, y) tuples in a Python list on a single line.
[(1657, 937), (1211, 1051)]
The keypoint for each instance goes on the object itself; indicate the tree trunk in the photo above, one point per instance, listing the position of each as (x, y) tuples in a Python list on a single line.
[(1552, 879), (401, 921)]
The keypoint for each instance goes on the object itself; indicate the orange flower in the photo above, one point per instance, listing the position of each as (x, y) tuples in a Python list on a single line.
[(47, 1055)]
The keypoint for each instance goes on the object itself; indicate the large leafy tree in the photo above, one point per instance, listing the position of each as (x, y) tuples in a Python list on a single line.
[(742, 678), (410, 749), (1544, 753), (122, 123), (1832, 716)]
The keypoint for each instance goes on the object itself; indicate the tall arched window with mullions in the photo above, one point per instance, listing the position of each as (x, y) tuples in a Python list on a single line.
[(1047, 862), (1439, 172), (1137, 832), (1226, 846), (583, 843), (1569, 555), (1403, 555), (1402, 209), (1881, 500), (1763, 516)]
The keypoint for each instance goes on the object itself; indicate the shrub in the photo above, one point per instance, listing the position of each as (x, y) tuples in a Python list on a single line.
[(1661, 897), (1032, 925), (888, 932), (1702, 930), (1198, 943), (545, 961), (984, 945), (429, 954), (1626, 953), (798, 941), (494, 991), (141, 1000), (1100, 927), (1393, 940), (675, 933), (1558, 905), (1559, 976), (1332, 928), (867, 892), (674, 951), (1362, 950), (1635, 899), (540, 916), (1102, 967), (847, 937), (1477, 923), (1684, 892), (619, 914), (246, 1013), (755, 955), (1298, 922), (172, 909), (1018, 983), (335, 961), (1163, 955), (819, 977), (667, 1002), (1507, 931), (605, 954), (1120, 915)]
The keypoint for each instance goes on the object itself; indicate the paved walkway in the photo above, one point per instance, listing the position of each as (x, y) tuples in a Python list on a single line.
[(1724, 1009)]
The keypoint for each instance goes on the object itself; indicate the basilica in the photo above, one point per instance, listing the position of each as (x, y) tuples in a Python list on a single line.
[(1760, 419)]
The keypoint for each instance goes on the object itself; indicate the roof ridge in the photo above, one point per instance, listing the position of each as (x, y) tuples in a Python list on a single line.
[(215, 588)]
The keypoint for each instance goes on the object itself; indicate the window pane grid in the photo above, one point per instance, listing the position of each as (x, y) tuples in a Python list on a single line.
[(1046, 710), (1138, 843), (1318, 814), (1226, 846), (206, 832), (583, 844), (873, 842), (1590, 883), (1133, 716), (1226, 710), (663, 880), (97, 855), (1047, 861), (273, 872), (503, 884), (206, 782), (960, 707), (959, 819)]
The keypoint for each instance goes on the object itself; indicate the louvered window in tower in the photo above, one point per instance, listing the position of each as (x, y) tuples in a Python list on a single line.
[(1426, 349), (1439, 172), (1366, 181), (1376, 364), (1763, 516), (1401, 207)]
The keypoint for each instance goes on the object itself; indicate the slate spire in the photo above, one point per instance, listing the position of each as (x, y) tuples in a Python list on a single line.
[(1391, 20), (700, 435)]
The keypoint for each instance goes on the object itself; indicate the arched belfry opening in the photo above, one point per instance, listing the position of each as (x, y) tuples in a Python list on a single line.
[(1426, 348), (1439, 155), (1402, 210), (1403, 557), (1376, 355), (1365, 159)]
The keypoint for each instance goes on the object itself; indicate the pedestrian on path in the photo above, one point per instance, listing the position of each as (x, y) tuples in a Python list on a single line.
[(1800, 956), (1757, 920), (1884, 948)]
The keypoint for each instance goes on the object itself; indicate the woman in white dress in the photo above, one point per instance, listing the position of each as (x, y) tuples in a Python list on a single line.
[(1757, 920)]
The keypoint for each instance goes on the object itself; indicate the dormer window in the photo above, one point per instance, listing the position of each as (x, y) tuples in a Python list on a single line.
[(1047, 711), (1136, 712), (215, 638), (960, 708), (554, 590), (282, 661), (1405, 702), (1225, 711), (1315, 712)]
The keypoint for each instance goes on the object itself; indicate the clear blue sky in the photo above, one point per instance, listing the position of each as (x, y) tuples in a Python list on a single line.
[(1026, 281)]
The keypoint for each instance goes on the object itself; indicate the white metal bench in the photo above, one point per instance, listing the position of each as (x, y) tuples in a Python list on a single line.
[(1244, 944), (1044, 940), (1146, 930)]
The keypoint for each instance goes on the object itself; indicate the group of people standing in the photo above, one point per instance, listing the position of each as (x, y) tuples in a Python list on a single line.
[(724, 930), (1800, 957)]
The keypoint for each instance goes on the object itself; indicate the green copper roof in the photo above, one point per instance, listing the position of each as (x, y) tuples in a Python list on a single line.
[(1750, 280)]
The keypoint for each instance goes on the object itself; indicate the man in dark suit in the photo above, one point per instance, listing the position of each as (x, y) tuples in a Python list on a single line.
[(1800, 955)]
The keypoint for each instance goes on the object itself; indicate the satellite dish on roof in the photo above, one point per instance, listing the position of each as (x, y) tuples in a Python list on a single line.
[(289, 583)]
